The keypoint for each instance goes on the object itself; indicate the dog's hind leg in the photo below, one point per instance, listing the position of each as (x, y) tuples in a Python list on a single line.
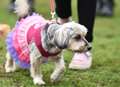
[(10, 65), (35, 71), (59, 69)]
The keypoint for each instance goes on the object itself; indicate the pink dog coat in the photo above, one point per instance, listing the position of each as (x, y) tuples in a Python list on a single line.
[(26, 31)]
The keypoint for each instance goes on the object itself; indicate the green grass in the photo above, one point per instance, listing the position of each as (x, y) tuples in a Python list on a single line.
[(105, 71)]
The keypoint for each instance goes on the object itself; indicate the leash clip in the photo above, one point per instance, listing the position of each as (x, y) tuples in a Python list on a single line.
[(53, 15)]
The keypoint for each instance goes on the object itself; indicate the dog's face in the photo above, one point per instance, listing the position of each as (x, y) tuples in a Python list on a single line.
[(72, 36)]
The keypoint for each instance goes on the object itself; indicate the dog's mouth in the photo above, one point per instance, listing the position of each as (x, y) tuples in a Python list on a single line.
[(78, 51), (82, 50)]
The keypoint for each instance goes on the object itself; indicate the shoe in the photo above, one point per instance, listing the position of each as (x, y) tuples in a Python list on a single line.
[(64, 20), (81, 61)]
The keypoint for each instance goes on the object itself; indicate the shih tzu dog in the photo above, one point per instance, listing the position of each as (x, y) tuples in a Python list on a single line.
[(35, 39)]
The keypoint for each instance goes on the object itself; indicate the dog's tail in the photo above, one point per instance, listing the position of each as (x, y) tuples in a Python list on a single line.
[(4, 30), (22, 8)]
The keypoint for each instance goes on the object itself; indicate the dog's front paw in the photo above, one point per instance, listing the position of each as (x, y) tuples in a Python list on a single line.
[(38, 81), (56, 74), (54, 77)]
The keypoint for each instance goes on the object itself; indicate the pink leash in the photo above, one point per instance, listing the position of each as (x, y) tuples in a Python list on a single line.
[(52, 9)]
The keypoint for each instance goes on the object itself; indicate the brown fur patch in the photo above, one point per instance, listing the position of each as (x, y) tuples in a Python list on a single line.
[(4, 29)]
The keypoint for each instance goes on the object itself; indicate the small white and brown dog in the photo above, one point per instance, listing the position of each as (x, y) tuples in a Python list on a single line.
[(34, 39)]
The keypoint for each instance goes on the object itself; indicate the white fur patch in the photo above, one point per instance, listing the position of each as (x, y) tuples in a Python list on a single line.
[(21, 7)]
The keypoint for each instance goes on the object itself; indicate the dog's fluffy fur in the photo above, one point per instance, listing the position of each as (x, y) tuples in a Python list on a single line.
[(57, 37)]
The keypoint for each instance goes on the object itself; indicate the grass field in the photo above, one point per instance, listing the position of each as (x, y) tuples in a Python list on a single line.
[(105, 71)]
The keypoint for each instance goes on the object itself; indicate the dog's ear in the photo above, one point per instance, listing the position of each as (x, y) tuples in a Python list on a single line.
[(81, 29), (61, 38), (51, 30)]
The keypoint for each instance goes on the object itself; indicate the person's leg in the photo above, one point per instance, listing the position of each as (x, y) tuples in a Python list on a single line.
[(86, 17), (31, 3), (107, 9), (99, 6), (11, 5), (12, 1), (63, 10)]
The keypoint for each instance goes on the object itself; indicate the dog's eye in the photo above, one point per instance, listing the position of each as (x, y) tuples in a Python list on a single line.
[(77, 37)]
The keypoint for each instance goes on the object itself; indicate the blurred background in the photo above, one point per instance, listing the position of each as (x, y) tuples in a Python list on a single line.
[(105, 71)]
